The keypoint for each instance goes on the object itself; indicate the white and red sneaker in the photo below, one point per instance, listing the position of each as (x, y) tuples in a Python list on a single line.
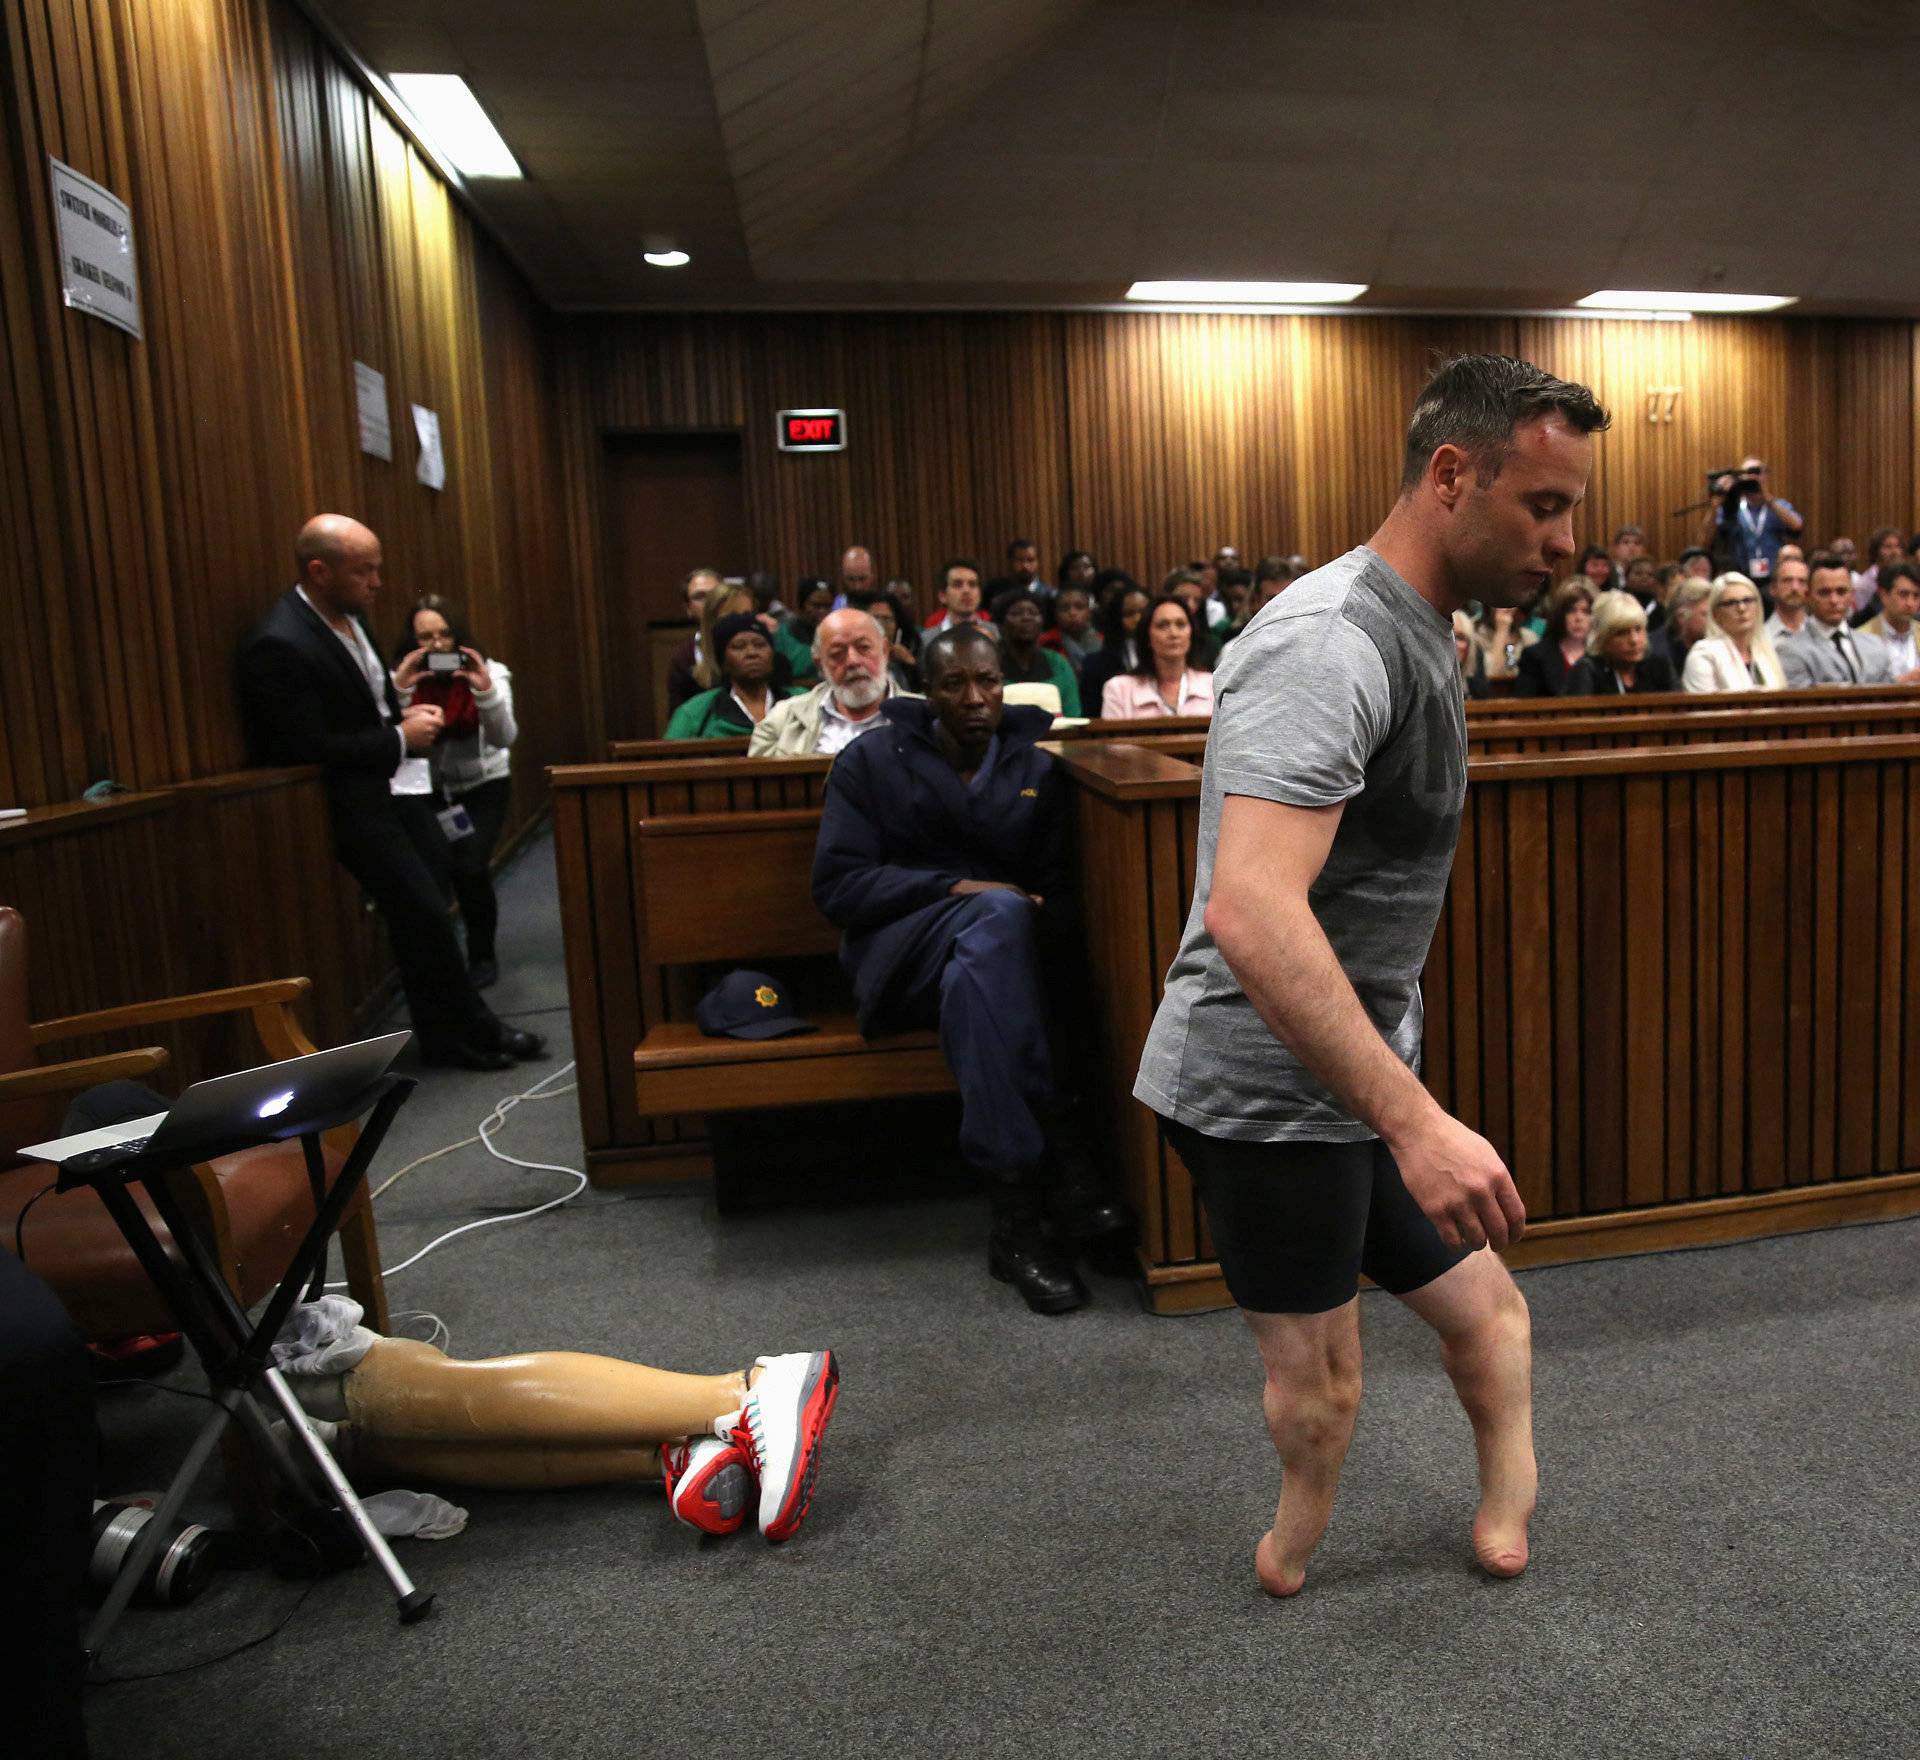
[(709, 1480), (780, 1428)]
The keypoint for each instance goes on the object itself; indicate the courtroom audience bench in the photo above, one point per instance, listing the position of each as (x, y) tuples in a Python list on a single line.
[(763, 913)]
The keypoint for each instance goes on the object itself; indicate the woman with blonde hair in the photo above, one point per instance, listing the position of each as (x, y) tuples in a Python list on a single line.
[(1617, 662), (1736, 653)]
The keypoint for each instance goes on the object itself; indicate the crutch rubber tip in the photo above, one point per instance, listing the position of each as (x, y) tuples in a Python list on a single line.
[(415, 1605)]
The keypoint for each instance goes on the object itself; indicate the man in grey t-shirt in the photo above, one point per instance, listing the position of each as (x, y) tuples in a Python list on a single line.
[(1284, 1057)]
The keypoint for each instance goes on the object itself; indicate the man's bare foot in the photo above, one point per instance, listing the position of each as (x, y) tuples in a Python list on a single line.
[(1500, 1526), (1276, 1578)]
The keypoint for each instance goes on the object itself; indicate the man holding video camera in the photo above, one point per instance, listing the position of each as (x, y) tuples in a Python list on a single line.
[(1747, 523)]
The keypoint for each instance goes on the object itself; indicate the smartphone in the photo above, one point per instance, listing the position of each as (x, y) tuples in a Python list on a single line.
[(447, 662)]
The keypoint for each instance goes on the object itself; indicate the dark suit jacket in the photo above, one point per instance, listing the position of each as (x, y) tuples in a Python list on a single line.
[(1542, 671), (306, 703), (1594, 678)]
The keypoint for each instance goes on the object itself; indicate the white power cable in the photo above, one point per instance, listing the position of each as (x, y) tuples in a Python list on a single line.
[(484, 1136)]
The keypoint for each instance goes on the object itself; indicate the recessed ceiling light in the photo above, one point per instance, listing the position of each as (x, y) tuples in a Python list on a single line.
[(667, 259), (1248, 293), (1689, 302), (1629, 314), (450, 117)]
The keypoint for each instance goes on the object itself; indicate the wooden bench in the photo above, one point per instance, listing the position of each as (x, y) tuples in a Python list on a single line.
[(764, 911)]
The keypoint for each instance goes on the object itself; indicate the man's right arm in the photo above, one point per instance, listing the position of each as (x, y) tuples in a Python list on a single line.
[(1259, 915), (278, 690)]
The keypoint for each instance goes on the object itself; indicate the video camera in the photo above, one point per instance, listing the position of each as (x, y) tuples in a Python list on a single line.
[(1743, 483)]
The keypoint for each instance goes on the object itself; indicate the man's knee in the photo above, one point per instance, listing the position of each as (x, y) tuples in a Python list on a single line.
[(1313, 1385), (1312, 1407), (997, 912)]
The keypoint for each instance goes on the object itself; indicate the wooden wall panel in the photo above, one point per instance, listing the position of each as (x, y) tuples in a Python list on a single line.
[(955, 427), (1149, 438), (151, 488)]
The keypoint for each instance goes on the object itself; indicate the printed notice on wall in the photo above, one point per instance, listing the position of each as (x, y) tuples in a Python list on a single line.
[(96, 249), (376, 426), (432, 468)]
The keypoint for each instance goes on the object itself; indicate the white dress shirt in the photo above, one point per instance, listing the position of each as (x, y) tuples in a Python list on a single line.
[(415, 774), (1901, 654)]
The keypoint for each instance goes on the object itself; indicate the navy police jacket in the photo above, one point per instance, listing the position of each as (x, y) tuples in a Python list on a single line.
[(898, 827)]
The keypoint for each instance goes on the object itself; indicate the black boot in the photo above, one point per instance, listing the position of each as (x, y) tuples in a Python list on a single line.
[(1019, 1251), (1087, 1217)]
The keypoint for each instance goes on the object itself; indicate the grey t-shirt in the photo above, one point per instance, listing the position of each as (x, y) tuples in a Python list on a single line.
[(1344, 688)]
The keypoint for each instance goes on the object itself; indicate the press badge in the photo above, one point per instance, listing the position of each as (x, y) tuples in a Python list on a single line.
[(1762, 566), (454, 822)]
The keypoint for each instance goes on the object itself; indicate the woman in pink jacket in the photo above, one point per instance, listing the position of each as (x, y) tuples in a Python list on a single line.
[(1163, 683)]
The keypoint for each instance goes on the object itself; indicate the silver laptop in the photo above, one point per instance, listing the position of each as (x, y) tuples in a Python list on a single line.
[(233, 1106)]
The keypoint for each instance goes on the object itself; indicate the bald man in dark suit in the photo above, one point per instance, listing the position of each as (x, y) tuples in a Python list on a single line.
[(316, 692)]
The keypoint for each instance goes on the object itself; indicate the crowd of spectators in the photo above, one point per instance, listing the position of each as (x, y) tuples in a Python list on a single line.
[(1090, 641), (1748, 607)]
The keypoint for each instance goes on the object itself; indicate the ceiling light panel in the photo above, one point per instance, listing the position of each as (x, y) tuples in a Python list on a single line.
[(450, 117), (1247, 293), (1629, 299)]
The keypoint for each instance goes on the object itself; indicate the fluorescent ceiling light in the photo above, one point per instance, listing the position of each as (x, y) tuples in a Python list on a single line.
[(667, 259), (450, 117), (1248, 293), (1627, 314), (1689, 302)]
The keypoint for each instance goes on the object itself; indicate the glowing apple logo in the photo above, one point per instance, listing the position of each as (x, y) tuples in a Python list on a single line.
[(277, 1105)]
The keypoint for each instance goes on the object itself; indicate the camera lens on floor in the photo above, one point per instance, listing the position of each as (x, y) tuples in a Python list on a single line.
[(175, 1574)]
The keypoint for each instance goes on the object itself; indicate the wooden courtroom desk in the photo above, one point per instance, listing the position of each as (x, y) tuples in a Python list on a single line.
[(1539, 724), (637, 751), (199, 886), (1658, 1069)]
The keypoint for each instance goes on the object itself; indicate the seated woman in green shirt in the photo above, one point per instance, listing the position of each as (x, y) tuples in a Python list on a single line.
[(1022, 622), (746, 690)]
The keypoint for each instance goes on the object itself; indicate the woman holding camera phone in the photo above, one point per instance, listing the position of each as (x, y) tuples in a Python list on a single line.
[(471, 760)]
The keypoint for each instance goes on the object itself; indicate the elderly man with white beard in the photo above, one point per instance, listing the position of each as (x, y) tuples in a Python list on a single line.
[(851, 653)]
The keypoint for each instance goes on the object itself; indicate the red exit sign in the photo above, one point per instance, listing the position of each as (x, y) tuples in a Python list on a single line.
[(813, 430)]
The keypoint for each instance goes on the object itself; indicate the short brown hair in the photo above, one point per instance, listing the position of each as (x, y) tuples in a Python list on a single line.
[(1475, 401)]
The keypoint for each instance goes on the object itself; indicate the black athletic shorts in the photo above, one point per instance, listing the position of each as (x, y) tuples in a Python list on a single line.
[(1294, 1224)]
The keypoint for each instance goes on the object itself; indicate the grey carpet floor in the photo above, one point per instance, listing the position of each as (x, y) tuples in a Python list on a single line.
[(1034, 1537)]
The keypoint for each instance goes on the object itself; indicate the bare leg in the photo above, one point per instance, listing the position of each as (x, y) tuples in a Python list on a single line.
[(530, 1468), (405, 1391), (1311, 1397), (1486, 1343)]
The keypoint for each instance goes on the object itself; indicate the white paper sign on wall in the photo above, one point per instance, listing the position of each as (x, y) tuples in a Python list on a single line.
[(376, 426), (97, 272), (432, 468)]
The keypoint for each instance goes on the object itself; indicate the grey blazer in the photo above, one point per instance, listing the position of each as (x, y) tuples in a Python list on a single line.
[(1809, 657)]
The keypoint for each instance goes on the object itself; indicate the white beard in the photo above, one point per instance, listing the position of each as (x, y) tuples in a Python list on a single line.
[(859, 693)]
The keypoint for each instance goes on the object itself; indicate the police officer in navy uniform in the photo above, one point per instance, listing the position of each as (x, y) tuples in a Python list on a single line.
[(944, 858)]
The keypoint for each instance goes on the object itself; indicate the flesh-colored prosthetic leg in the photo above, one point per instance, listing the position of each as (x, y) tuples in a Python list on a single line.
[(502, 1468), (550, 1418)]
